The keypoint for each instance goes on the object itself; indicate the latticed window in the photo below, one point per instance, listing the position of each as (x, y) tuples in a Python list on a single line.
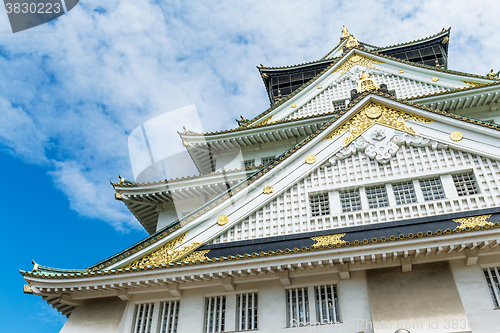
[(350, 201), (297, 307), (492, 277), (143, 318), (465, 184), (169, 316), (267, 160), (404, 193), (320, 204), (215, 314), (338, 106), (248, 164), (246, 312), (327, 304), (377, 196), (432, 189)]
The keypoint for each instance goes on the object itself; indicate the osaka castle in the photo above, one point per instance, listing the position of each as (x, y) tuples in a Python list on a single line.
[(366, 198)]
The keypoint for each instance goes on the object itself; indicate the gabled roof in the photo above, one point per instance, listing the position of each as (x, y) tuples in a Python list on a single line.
[(387, 232), (179, 225), (266, 73), (338, 61), (442, 33)]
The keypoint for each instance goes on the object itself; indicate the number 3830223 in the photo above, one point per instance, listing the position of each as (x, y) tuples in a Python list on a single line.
[(33, 8)]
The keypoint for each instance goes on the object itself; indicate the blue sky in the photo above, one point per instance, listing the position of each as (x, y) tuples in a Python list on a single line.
[(72, 91)]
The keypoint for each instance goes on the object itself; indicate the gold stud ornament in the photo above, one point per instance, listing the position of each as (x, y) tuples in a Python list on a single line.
[(223, 219)]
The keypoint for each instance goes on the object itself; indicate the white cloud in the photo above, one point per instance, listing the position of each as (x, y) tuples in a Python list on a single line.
[(70, 97)]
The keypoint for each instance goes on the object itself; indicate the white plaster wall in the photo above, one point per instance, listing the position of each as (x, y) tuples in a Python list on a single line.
[(353, 298), (171, 211), (96, 316), (476, 297), (232, 159)]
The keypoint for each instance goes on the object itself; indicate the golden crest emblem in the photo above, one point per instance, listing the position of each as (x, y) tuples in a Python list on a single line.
[(223, 219), (456, 136), (310, 159), (373, 112)]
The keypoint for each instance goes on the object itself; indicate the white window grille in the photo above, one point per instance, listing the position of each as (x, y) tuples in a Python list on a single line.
[(377, 196), (246, 312), (338, 105), (432, 189), (248, 164), (297, 307), (215, 314), (465, 184), (169, 316), (267, 160), (320, 204), (350, 201), (404, 193), (492, 277), (327, 304), (143, 318)]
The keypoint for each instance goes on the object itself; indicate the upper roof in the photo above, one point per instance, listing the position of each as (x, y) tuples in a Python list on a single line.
[(289, 73)]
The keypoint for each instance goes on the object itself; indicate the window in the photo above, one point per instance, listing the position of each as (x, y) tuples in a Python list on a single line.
[(320, 205), (246, 312), (169, 316), (432, 189), (267, 160), (404, 193), (297, 307), (465, 184), (215, 314), (338, 106), (248, 164), (327, 304), (143, 318), (377, 196), (492, 277), (350, 201)]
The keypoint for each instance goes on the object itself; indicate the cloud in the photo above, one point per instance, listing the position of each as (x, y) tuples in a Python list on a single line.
[(72, 91)]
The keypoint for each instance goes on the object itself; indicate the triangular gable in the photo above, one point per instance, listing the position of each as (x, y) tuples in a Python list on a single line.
[(306, 157), (334, 96), (409, 79)]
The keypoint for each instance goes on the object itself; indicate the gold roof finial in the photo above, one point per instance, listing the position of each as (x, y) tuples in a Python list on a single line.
[(352, 41), (366, 83), (492, 74), (345, 32)]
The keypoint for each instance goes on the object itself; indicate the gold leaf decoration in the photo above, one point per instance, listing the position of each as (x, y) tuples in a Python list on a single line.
[(165, 254), (372, 114), (197, 255), (354, 60), (474, 221), (329, 240), (474, 84), (267, 121), (28, 289), (268, 189)]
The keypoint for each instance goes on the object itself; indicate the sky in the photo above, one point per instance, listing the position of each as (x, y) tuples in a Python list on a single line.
[(72, 90)]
